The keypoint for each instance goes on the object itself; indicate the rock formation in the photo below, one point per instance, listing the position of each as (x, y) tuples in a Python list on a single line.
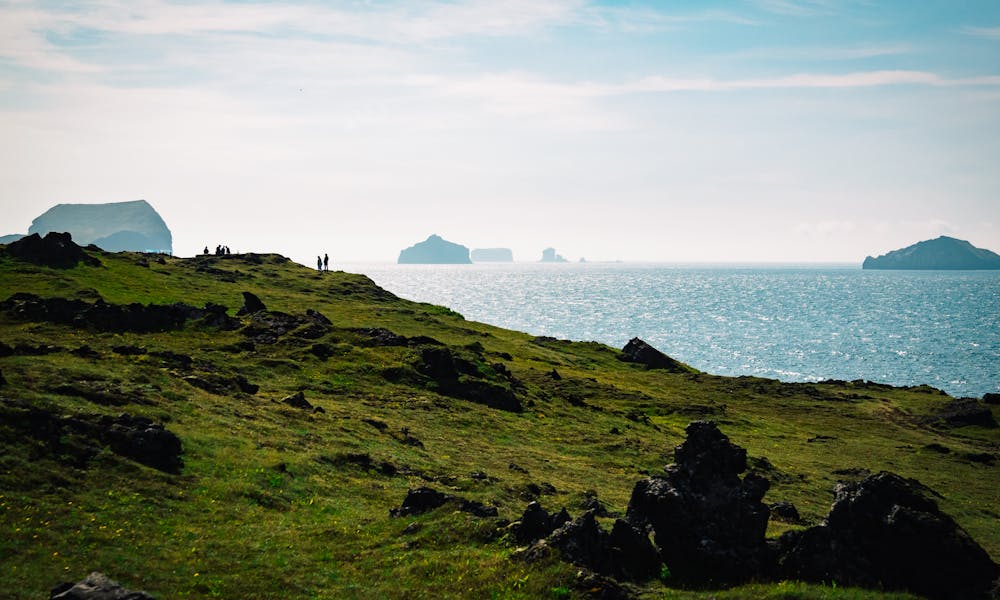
[(549, 255), (708, 523), (115, 227), (54, 250), (492, 255), (435, 250), (941, 253), (638, 351), (886, 532)]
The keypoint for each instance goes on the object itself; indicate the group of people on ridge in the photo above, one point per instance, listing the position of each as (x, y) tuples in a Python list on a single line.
[(219, 250), (323, 263)]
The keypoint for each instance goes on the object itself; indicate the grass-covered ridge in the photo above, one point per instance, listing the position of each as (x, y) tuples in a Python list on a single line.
[(275, 501)]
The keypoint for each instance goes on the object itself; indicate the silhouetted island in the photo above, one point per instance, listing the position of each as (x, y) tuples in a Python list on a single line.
[(549, 255), (941, 253), (435, 250), (114, 226), (492, 255)]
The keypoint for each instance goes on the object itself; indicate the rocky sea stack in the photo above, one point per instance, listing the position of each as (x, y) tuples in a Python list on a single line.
[(435, 250)]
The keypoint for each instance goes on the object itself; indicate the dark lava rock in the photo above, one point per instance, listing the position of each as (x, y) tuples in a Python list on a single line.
[(101, 316), (887, 532), (963, 412), (625, 553), (95, 586), (709, 524), (128, 350), (267, 326), (3, 380), (380, 336), (222, 385), (536, 523), (419, 501), (297, 400), (424, 499), (54, 250), (786, 512), (991, 399), (144, 441), (468, 377), (251, 304), (638, 351)]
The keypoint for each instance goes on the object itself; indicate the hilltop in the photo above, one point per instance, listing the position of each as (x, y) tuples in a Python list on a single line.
[(940, 253), (241, 426)]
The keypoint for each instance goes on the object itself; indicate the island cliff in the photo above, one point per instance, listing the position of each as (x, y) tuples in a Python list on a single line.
[(492, 255), (114, 226), (941, 253), (549, 255), (435, 250)]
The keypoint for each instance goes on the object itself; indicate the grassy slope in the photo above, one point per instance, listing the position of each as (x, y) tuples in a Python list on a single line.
[(265, 507)]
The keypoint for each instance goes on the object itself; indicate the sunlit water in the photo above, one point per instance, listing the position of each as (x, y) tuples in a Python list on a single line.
[(790, 323)]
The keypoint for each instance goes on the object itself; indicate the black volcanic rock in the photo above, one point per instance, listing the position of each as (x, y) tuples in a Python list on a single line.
[(708, 523), (435, 250), (887, 532), (96, 586), (54, 250), (941, 253), (115, 227), (492, 255), (638, 351)]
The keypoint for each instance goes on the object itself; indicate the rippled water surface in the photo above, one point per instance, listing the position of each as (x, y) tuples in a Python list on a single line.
[(790, 323)]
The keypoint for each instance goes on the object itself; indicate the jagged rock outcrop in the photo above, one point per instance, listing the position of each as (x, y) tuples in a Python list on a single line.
[(940, 253), (96, 586), (708, 523), (492, 255), (423, 499), (115, 226), (536, 523), (549, 255), (638, 351), (435, 250), (887, 532), (625, 553), (467, 375), (54, 250), (251, 304)]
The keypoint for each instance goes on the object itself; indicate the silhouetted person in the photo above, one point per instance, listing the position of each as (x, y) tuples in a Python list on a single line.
[(319, 264), (227, 250), (326, 262), (218, 250), (206, 250)]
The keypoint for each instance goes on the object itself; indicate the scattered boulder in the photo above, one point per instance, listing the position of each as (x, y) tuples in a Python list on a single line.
[(297, 400), (144, 441), (708, 523), (536, 523), (222, 385), (786, 512), (887, 532), (963, 412), (96, 586), (424, 499), (251, 304), (638, 351), (466, 375), (54, 250), (625, 553)]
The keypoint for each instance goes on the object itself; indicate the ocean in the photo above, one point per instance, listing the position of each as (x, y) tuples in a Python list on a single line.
[(788, 322)]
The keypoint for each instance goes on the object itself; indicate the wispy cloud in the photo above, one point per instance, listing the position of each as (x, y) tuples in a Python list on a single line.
[(797, 8), (992, 33)]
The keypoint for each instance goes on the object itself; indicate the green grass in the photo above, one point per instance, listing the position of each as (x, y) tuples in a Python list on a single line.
[(264, 508)]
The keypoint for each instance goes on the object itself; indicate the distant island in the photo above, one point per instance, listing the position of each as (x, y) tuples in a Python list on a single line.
[(941, 253), (549, 255), (435, 250), (114, 226), (492, 255)]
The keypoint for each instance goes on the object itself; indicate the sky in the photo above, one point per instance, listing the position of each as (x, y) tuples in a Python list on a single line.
[(748, 131)]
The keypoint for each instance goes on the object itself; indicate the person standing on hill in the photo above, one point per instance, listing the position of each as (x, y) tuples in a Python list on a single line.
[(319, 263), (326, 262)]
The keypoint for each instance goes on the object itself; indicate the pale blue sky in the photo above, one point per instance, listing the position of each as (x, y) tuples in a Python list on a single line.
[(756, 130)]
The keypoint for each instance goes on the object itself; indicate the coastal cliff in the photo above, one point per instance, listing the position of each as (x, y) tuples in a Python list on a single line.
[(114, 226)]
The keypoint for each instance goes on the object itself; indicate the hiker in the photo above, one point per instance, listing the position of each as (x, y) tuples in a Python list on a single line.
[(319, 264), (326, 262), (206, 250)]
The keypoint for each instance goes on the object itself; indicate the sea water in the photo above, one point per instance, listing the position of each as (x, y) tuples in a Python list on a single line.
[(793, 323)]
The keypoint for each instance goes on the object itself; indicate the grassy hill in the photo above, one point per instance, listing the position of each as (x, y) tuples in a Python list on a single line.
[(279, 501)]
